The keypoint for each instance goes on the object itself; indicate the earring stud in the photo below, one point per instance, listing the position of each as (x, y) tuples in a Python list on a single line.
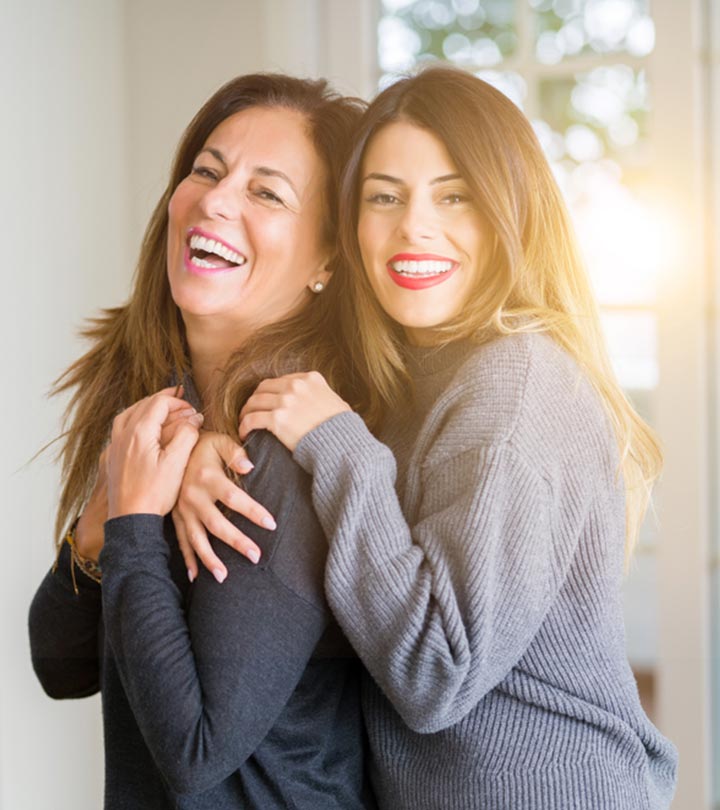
[(318, 287)]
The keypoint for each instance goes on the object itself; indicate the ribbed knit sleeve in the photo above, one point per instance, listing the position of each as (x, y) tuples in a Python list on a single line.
[(443, 599), (206, 689)]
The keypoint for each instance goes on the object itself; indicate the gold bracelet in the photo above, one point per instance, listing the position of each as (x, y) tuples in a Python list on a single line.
[(88, 567)]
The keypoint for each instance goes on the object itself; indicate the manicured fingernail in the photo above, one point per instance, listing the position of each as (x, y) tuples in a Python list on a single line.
[(244, 465), (191, 576), (219, 575), (269, 523), (187, 412), (253, 555), (196, 419)]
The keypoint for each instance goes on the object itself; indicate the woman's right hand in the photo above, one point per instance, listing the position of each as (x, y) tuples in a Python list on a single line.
[(196, 511)]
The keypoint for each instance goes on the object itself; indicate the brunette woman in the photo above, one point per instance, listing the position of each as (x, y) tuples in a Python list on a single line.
[(245, 695)]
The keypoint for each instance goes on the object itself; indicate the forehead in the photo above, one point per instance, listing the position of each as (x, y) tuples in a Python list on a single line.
[(268, 136), (408, 148)]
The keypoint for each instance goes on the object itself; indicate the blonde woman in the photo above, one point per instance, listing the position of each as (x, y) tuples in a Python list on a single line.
[(245, 695), (478, 545)]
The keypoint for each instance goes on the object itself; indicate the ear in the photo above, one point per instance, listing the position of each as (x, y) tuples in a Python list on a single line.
[(319, 280)]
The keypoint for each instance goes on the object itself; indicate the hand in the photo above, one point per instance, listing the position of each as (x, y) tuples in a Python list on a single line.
[(196, 511), (290, 407), (144, 476)]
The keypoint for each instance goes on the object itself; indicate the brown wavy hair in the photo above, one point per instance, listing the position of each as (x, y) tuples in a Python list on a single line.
[(137, 348), (535, 279)]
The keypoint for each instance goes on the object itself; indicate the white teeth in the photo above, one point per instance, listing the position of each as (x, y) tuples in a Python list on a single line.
[(202, 263), (198, 242), (411, 267)]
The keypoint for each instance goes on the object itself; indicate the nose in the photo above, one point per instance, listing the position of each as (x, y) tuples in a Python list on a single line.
[(418, 221), (221, 201)]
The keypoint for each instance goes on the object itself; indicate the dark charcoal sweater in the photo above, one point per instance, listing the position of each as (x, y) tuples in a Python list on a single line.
[(240, 695)]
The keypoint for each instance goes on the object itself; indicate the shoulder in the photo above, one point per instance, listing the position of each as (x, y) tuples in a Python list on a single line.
[(276, 475), (523, 390), (295, 551)]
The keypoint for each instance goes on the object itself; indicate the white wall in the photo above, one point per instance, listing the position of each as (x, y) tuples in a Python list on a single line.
[(63, 214)]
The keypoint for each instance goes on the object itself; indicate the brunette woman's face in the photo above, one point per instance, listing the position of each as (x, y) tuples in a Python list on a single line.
[(423, 241), (245, 235)]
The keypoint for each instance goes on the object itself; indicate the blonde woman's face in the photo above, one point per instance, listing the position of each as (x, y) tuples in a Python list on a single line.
[(423, 242), (245, 235)]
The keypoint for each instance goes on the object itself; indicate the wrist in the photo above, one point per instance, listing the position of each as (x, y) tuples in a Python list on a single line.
[(134, 504)]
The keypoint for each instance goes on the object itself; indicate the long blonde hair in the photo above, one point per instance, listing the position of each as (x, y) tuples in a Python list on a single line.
[(535, 279), (138, 347)]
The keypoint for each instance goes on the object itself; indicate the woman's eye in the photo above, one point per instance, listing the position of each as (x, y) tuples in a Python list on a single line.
[(270, 196), (455, 198), (383, 198), (204, 172)]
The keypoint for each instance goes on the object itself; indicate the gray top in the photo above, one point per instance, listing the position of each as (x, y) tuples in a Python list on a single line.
[(475, 565)]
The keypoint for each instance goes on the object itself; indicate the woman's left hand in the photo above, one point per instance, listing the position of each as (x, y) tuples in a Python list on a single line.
[(290, 407), (144, 474)]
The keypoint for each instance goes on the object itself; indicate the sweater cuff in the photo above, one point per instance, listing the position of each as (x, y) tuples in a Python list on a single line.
[(336, 442), (134, 537)]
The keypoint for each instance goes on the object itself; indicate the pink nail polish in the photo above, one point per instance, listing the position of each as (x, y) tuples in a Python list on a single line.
[(219, 575), (253, 555), (191, 576), (269, 523)]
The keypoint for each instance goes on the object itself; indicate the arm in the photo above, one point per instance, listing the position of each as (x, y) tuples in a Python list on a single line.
[(65, 613), (442, 604), (440, 601), (206, 689), (63, 623), (63, 630)]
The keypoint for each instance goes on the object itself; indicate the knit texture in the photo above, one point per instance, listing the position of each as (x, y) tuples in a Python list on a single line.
[(240, 695), (475, 565)]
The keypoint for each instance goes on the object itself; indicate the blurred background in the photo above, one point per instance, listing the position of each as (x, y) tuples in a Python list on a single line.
[(625, 98)]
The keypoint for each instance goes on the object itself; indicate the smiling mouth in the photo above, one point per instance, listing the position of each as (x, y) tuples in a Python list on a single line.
[(206, 253), (412, 268), (420, 271)]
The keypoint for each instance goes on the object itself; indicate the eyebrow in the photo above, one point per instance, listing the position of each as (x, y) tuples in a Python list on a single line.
[(266, 171), (263, 171), (388, 178)]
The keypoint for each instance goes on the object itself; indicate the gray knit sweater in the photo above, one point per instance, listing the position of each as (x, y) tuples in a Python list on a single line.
[(476, 565)]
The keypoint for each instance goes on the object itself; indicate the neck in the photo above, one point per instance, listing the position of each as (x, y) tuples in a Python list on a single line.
[(211, 343)]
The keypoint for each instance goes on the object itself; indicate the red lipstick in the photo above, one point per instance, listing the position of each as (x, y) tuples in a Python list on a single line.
[(420, 281)]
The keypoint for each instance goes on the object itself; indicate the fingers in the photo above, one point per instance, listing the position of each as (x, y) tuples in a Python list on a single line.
[(239, 501), (218, 525), (197, 539), (257, 420), (263, 401), (149, 414), (185, 548), (175, 419), (180, 446), (240, 461), (231, 453)]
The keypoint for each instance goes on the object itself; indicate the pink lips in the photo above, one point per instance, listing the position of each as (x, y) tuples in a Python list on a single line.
[(194, 269), (419, 282)]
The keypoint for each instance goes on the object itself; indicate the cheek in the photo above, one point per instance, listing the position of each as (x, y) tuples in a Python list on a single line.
[(179, 202), (369, 241)]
